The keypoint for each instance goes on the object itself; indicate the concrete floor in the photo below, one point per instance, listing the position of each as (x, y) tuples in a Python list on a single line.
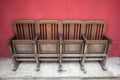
[(49, 71)]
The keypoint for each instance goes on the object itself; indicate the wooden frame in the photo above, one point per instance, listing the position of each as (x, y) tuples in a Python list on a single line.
[(60, 41)]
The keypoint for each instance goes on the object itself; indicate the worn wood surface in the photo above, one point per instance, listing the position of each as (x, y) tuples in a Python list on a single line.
[(54, 40)]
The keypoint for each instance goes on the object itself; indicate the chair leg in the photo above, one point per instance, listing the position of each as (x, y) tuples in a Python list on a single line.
[(16, 63), (83, 59), (38, 67), (36, 58), (16, 66), (82, 67), (38, 63), (60, 68), (105, 58), (60, 53), (60, 63), (102, 63)]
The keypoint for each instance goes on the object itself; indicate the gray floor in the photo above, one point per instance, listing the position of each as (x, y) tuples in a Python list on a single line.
[(49, 71), (59, 79)]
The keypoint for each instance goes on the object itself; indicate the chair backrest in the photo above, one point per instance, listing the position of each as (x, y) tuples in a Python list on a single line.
[(72, 29), (24, 29), (94, 30), (48, 29)]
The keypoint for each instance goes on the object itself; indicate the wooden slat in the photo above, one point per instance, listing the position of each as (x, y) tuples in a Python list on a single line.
[(72, 52), (48, 55), (48, 41), (33, 31), (97, 41), (23, 41), (24, 21), (73, 41), (72, 55), (49, 52), (47, 59), (26, 31), (25, 59), (71, 59), (71, 31), (49, 27), (60, 27), (15, 30), (53, 30), (24, 55), (94, 59), (95, 55), (18, 30), (93, 31), (104, 28), (24, 52)]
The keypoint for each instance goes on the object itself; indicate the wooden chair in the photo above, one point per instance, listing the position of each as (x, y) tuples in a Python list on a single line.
[(23, 44), (60, 41), (48, 41), (97, 44), (73, 44)]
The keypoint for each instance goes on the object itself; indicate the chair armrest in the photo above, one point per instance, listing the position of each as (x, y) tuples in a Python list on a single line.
[(109, 39), (85, 39), (10, 39)]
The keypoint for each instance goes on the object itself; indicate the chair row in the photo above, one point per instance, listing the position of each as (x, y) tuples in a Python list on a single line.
[(60, 41)]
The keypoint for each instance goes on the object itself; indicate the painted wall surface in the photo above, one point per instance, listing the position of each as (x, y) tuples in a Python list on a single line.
[(108, 10)]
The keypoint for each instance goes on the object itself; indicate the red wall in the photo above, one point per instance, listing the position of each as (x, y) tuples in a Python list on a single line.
[(108, 10)]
